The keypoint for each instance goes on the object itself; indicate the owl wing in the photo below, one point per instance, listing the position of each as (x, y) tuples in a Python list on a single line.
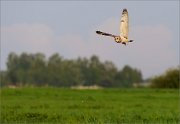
[(124, 24), (106, 34)]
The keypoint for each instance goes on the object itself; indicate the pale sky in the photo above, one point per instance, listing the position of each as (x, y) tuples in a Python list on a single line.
[(68, 28)]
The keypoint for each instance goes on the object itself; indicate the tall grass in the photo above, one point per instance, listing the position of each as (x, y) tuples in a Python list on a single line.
[(55, 105)]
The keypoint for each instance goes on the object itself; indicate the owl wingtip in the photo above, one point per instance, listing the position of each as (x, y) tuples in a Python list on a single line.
[(124, 10), (98, 32)]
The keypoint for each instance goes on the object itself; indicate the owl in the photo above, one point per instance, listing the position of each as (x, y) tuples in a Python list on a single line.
[(124, 28)]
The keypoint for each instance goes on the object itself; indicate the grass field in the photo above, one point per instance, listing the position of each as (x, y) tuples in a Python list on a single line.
[(66, 106)]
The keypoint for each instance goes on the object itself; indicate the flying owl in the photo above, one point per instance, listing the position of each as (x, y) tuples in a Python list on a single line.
[(124, 28)]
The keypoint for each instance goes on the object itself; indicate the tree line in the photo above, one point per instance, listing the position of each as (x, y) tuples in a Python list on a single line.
[(35, 70)]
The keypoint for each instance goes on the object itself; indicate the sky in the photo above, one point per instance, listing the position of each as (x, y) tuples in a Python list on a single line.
[(68, 28)]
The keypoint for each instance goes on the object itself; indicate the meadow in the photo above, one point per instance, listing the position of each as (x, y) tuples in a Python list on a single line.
[(73, 106)]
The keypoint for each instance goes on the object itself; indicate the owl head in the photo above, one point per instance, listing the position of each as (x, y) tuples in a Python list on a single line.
[(117, 39)]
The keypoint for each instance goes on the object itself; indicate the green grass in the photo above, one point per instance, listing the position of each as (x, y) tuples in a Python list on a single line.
[(66, 106)]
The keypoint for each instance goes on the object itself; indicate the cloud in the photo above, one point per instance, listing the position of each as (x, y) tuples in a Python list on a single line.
[(71, 46), (26, 38)]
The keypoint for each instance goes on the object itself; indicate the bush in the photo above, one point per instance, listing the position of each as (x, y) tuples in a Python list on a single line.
[(168, 80)]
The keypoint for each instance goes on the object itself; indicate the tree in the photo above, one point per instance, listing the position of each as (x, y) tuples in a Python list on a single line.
[(84, 66), (94, 70), (127, 76), (12, 66), (38, 70), (108, 74), (3, 78), (55, 64)]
